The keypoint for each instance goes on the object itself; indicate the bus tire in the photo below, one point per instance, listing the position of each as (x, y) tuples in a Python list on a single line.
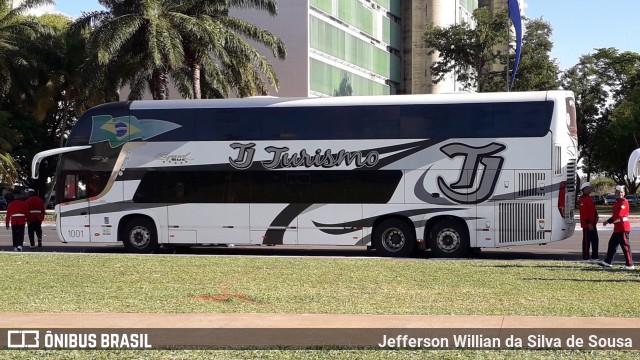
[(449, 239), (394, 238), (140, 236)]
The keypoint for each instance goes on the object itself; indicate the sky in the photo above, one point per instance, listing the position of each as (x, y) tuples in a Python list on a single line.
[(579, 26)]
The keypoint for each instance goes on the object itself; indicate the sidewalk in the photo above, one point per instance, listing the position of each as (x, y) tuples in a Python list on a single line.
[(318, 321), (313, 331)]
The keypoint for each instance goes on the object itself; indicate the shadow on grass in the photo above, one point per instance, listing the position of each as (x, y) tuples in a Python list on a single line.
[(562, 267)]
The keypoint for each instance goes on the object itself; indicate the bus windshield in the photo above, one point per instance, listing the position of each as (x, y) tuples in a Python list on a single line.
[(84, 173)]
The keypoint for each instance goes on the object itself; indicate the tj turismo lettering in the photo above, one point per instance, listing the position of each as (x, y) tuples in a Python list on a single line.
[(280, 157)]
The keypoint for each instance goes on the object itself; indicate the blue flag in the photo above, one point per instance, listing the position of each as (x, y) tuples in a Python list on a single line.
[(514, 15)]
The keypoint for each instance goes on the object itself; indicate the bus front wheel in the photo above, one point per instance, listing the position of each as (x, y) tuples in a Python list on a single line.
[(394, 237), (448, 239), (140, 236)]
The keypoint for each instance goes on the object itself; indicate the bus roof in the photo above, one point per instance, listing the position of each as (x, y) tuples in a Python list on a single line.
[(347, 100)]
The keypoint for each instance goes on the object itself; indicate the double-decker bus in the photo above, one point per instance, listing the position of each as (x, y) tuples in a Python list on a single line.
[(446, 173)]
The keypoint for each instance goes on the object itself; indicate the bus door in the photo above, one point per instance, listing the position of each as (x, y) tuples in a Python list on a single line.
[(74, 210), (103, 227)]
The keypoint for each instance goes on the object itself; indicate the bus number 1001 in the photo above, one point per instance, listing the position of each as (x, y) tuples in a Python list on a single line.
[(76, 233)]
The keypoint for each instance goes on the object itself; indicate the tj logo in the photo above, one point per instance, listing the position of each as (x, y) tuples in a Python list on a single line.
[(473, 157)]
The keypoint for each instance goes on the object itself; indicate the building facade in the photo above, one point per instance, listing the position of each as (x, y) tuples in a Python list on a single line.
[(335, 47), (416, 61), (358, 47)]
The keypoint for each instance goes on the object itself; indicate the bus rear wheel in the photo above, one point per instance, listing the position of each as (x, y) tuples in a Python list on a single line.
[(394, 238), (140, 236), (449, 238)]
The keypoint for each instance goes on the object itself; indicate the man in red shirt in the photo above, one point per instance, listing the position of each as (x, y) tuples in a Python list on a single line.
[(588, 222), (17, 217), (34, 217), (621, 230)]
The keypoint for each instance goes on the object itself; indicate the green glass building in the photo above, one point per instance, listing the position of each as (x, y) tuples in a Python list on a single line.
[(357, 47)]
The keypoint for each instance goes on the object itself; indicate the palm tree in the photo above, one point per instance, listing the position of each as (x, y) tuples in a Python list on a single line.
[(190, 42), (215, 46), (17, 67), (136, 38)]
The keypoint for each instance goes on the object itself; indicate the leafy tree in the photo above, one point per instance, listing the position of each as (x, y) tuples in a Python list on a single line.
[(591, 103), (537, 71), (64, 93), (469, 52), (34, 137), (18, 73), (615, 143), (45, 116), (474, 54), (601, 81), (602, 185), (8, 138)]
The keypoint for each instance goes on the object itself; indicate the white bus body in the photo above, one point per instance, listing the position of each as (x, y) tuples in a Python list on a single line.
[(397, 173)]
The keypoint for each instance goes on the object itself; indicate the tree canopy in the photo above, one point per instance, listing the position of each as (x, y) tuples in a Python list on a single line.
[(469, 51), (605, 84), (194, 45), (476, 53), (52, 69)]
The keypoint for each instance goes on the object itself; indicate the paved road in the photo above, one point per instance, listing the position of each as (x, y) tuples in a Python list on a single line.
[(561, 250)]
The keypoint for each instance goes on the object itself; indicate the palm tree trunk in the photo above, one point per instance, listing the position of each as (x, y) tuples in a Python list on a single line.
[(159, 85), (197, 92), (63, 125), (164, 84), (155, 85)]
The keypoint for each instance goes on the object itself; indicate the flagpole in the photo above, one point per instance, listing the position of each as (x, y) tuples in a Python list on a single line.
[(507, 45)]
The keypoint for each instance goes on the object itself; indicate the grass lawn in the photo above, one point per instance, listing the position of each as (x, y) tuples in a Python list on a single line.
[(233, 284)]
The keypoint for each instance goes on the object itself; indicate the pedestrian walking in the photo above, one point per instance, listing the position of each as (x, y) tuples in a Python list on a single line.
[(34, 217), (621, 231), (17, 217), (588, 222)]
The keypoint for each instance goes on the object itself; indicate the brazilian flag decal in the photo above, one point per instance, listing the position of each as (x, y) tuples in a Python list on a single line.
[(120, 130)]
